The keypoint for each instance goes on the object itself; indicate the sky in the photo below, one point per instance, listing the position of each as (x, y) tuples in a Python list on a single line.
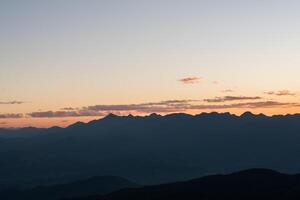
[(78, 60)]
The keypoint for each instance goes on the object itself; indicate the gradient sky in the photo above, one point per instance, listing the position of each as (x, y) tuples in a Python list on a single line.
[(78, 54)]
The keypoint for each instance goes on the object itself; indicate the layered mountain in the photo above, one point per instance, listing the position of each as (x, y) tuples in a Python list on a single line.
[(259, 184), (149, 150), (88, 187)]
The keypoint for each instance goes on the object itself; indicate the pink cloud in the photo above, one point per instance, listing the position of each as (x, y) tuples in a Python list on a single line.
[(190, 80)]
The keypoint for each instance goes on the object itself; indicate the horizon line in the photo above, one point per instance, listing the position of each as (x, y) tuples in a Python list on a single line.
[(157, 114)]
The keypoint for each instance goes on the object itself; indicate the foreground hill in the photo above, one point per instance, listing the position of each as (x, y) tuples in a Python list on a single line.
[(149, 150), (91, 186), (258, 184)]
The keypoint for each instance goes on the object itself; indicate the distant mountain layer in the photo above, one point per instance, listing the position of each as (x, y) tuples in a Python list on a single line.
[(149, 150), (258, 184), (92, 186)]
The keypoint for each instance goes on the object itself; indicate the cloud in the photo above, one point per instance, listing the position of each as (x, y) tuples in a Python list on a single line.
[(231, 98), (190, 80), (162, 106), (11, 115), (3, 123), (248, 105), (68, 108), (169, 106), (281, 93), (51, 114), (11, 102), (102, 110), (227, 91)]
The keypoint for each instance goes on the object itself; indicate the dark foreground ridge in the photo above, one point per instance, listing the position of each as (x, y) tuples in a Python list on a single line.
[(258, 184), (92, 186), (153, 149)]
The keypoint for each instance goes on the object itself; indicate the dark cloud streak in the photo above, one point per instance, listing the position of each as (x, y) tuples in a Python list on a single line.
[(11, 115), (281, 93), (231, 98), (249, 105), (11, 102), (190, 80), (227, 91), (162, 107), (51, 114)]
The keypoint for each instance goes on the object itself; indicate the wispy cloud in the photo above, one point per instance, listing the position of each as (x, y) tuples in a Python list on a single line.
[(231, 98), (190, 80), (102, 110), (77, 113), (227, 91), (11, 115), (11, 102), (247, 105), (169, 106), (162, 106), (281, 93), (68, 108)]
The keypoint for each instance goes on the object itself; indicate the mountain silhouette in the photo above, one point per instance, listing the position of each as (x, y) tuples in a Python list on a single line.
[(89, 187), (149, 150), (259, 184)]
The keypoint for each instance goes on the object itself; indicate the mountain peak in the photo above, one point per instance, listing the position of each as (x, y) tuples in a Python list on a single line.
[(110, 116), (76, 124), (154, 115), (215, 114), (247, 114)]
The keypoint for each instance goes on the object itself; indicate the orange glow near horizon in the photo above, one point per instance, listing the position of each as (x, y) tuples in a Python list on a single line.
[(66, 121)]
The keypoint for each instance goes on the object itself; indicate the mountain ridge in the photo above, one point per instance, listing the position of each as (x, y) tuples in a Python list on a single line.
[(249, 184), (152, 149), (98, 185), (112, 116)]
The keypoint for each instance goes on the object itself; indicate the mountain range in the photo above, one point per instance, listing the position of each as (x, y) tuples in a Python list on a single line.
[(88, 187), (149, 150), (259, 184)]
